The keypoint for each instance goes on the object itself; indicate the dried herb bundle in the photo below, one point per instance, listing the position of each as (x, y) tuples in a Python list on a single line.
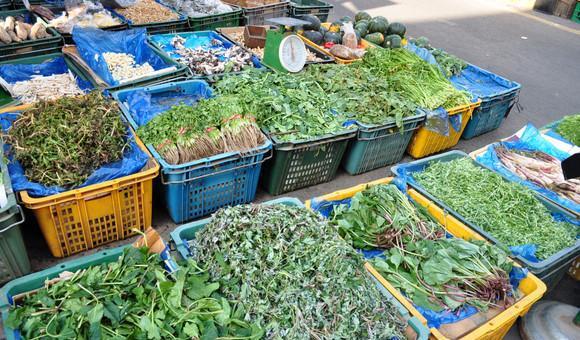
[(293, 275), (62, 142)]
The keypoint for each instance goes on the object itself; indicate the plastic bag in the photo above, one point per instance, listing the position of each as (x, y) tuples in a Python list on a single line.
[(349, 38)]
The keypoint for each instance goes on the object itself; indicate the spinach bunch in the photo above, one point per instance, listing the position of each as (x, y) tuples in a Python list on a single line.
[(131, 298), (293, 274), (382, 217), (508, 211), (569, 128)]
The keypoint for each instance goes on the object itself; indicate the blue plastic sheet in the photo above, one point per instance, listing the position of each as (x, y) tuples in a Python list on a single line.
[(144, 104), (530, 140), (439, 121), (93, 42), (422, 53), (481, 83), (133, 160), (13, 73), (205, 39)]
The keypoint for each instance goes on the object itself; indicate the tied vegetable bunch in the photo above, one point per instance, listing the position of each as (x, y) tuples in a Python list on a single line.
[(63, 142), (381, 217), (293, 275), (131, 298), (187, 133), (569, 128)]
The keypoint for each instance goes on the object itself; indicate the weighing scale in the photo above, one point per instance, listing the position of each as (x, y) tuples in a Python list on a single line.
[(285, 51)]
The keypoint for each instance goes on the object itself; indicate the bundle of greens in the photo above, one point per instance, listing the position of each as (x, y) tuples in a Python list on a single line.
[(569, 128), (213, 126), (508, 211), (63, 142), (131, 298), (449, 273), (450, 64), (293, 274), (382, 217), (413, 78)]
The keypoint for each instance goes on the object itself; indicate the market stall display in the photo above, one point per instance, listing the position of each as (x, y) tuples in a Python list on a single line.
[(207, 14), (84, 14)]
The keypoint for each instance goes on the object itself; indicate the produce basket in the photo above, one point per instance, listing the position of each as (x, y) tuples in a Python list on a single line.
[(178, 25), (5, 97), (13, 255), (231, 33), (426, 142), (550, 270), (497, 94), (201, 187), (297, 165), (257, 12), (379, 145), (317, 8), (214, 21), (185, 233), (27, 48), (531, 287)]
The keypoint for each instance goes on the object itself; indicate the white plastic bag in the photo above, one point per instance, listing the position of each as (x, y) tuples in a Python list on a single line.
[(349, 38)]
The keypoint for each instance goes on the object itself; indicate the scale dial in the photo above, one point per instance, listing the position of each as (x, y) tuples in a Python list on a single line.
[(292, 53)]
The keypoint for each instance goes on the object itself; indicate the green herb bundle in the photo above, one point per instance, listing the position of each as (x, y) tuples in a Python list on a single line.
[(381, 217), (186, 133), (449, 273), (293, 274), (508, 211), (450, 64), (63, 142), (569, 128), (131, 298), (413, 78)]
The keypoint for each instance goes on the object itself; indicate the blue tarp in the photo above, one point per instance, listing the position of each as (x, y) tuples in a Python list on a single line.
[(133, 160), (93, 42), (530, 140), (434, 319), (13, 73), (481, 83)]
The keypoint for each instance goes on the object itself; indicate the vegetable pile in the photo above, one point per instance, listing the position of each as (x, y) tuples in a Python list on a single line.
[(131, 298), (83, 14), (508, 211), (569, 128), (414, 79), (46, 87), (14, 30), (293, 275), (63, 141), (187, 133), (198, 8), (123, 67), (541, 169), (450, 64), (147, 11)]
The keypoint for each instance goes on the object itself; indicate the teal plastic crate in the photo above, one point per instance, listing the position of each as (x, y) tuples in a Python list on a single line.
[(185, 233), (318, 8), (214, 21), (379, 145), (549, 270)]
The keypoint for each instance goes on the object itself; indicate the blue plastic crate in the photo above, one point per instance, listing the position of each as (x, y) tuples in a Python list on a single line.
[(498, 96), (201, 187)]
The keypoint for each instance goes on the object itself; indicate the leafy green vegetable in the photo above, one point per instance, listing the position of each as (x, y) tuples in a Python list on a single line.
[(131, 298), (413, 78), (508, 211), (382, 217), (450, 64), (569, 128), (293, 275), (63, 142)]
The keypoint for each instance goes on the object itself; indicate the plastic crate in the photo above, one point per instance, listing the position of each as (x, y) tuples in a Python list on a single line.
[(493, 110), (5, 5), (259, 15), (85, 218), (377, 146), (426, 142), (363, 44), (214, 21), (297, 165), (23, 49), (496, 327), (177, 25), (321, 9), (13, 255), (550, 270), (201, 187), (5, 97), (576, 14), (185, 233)]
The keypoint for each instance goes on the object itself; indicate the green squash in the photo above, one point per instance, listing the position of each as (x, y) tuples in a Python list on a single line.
[(378, 26), (362, 27), (314, 36), (392, 41), (333, 37), (376, 38), (362, 16), (397, 28), (313, 20)]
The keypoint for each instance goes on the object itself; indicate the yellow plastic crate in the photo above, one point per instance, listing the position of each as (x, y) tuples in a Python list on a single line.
[(495, 328), (85, 218), (364, 44), (426, 142)]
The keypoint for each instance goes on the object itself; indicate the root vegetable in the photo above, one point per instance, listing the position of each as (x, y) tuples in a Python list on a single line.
[(4, 36), (21, 31), (9, 23)]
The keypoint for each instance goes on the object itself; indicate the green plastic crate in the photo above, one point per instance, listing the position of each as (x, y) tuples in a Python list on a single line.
[(318, 8), (7, 100), (172, 26), (30, 47), (297, 165), (211, 22), (378, 146), (576, 15)]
